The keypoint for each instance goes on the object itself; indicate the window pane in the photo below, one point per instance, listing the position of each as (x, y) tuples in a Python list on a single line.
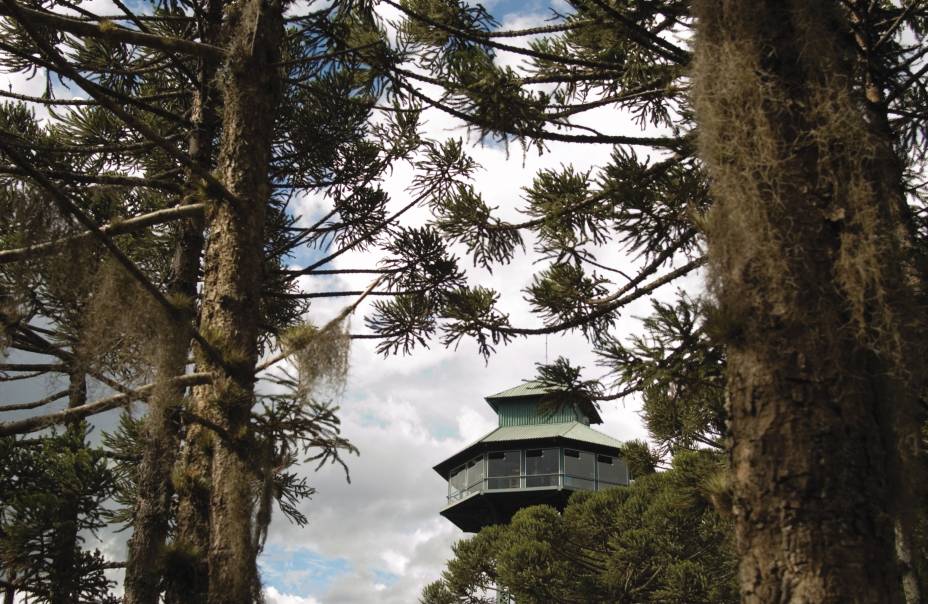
[(611, 471), (503, 469), (475, 474), (578, 469), (541, 468), (456, 483)]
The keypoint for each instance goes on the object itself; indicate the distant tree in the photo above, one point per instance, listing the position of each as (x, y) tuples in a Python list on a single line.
[(658, 540), (52, 490)]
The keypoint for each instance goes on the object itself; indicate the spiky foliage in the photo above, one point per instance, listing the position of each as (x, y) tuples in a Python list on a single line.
[(680, 373), (40, 480)]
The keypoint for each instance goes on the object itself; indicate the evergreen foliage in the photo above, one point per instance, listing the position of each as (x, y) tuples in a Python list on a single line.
[(156, 195), (40, 483), (658, 540)]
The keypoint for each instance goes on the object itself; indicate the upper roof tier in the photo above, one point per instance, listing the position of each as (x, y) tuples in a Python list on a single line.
[(531, 403)]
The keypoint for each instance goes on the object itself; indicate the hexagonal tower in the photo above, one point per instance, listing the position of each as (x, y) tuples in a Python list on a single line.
[(542, 450)]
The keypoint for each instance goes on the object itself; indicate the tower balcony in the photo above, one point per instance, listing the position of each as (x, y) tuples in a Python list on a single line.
[(518, 466)]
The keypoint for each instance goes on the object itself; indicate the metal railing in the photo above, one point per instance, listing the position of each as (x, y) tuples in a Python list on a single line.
[(521, 482)]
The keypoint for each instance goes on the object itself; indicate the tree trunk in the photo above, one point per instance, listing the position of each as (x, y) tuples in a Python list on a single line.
[(811, 268), (9, 594), (145, 563), (229, 314), (63, 574)]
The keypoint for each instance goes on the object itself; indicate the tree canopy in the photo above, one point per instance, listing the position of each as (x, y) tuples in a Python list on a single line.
[(658, 540)]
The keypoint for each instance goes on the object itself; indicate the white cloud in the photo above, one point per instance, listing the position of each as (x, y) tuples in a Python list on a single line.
[(272, 596)]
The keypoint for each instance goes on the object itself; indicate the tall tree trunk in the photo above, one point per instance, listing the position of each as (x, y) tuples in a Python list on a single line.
[(64, 577), (811, 267), (218, 464), (867, 37), (145, 563), (9, 594)]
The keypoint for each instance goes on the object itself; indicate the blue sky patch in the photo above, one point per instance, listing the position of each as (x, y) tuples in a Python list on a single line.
[(385, 578), (300, 571)]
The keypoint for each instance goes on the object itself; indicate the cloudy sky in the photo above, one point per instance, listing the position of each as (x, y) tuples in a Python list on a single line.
[(380, 538)]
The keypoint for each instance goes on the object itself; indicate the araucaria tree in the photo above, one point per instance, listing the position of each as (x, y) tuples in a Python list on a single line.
[(808, 124), (147, 220), (820, 290), (150, 247)]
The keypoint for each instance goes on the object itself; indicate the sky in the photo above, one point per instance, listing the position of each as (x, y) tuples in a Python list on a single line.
[(380, 538)]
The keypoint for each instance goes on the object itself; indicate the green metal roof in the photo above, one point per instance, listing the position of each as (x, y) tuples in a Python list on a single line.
[(571, 430), (533, 388), (574, 431)]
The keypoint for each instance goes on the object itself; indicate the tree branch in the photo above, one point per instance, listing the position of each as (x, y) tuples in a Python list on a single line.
[(68, 207), (107, 30), (40, 422), (115, 228), (602, 310), (21, 406)]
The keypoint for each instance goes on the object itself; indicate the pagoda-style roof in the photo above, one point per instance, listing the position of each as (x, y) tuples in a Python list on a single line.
[(542, 451), (569, 430), (535, 390), (565, 433)]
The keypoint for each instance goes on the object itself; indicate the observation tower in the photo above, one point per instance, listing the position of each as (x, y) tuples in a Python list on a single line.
[(542, 451)]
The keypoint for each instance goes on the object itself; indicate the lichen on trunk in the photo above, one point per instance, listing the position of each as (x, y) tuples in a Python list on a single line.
[(811, 268), (217, 474), (148, 554)]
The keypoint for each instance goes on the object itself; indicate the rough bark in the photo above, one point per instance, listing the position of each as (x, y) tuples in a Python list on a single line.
[(812, 271), (63, 574), (217, 506), (146, 556)]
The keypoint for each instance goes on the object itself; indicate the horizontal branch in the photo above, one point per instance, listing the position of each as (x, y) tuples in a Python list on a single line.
[(107, 30), (603, 310), (529, 52), (115, 228), (358, 240), (339, 294), (69, 208), (341, 271), (86, 102), (332, 323), (40, 422), (535, 31), (647, 271), (97, 179), (646, 38), (671, 143), (51, 398), (20, 367)]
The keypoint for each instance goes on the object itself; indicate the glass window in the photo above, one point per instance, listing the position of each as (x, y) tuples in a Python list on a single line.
[(456, 483), (475, 474), (541, 468), (503, 470), (611, 471), (579, 472)]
